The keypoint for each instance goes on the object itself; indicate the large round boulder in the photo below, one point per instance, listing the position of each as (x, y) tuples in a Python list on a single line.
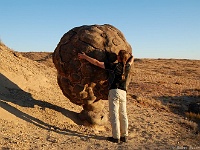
[(81, 82)]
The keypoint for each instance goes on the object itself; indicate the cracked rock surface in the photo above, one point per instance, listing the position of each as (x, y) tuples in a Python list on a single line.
[(81, 82)]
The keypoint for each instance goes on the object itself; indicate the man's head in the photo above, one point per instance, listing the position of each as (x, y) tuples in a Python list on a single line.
[(122, 56)]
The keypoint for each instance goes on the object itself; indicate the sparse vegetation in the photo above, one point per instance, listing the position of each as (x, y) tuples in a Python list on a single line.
[(191, 125), (1, 43), (193, 116)]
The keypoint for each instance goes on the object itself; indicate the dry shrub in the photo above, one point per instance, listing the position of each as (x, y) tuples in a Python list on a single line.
[(1, 43), (150, 102), (189, 124), (193, 116)]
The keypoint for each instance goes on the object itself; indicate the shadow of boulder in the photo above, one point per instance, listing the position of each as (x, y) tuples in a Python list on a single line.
[(11, 93)]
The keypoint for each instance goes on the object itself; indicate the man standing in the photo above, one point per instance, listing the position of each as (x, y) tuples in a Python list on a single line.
[(117, 93)]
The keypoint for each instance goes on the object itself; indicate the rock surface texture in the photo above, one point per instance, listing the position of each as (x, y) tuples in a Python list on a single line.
[(81, 82)]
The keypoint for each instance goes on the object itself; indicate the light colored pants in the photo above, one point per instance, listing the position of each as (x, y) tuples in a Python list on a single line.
[(117, 112)]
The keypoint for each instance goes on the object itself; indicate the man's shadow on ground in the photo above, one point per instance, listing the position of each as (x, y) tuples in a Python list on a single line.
[(10, 92)]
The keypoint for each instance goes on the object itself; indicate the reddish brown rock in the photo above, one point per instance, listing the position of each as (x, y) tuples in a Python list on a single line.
[(81, 82)]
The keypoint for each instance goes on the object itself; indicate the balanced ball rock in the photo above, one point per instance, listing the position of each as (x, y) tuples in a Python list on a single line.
[(81, 82)]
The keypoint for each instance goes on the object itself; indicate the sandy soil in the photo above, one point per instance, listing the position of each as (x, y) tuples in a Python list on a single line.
[(34, 114)]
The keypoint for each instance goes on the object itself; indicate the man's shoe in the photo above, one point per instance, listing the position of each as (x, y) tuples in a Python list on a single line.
[(124, 139), (111, 139)]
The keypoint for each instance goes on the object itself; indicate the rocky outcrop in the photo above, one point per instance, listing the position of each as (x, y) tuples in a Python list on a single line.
[(81, 82)]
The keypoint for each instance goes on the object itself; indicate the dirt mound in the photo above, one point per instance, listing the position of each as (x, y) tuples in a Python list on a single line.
[(34, 114), (26, 83), (25, 73)]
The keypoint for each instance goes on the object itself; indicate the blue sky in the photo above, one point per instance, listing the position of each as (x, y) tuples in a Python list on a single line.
[(154, 28)]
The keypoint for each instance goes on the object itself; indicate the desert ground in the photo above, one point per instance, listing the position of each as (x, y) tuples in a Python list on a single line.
[(34, 114)]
